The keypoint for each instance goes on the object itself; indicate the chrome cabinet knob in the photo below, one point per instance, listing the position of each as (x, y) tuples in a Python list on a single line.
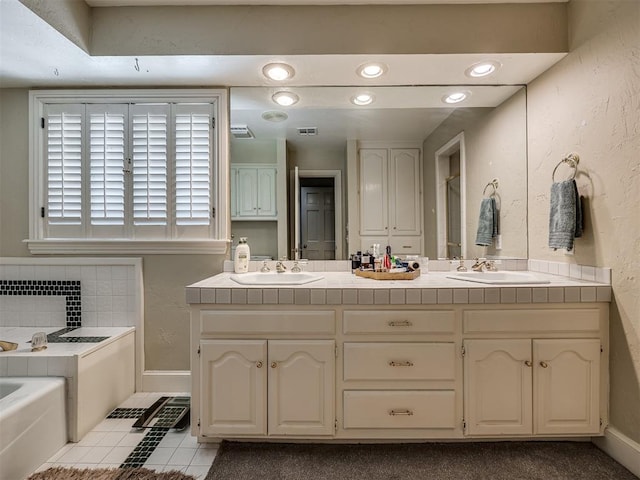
[(528, 363), (259, 364), (544, 364)]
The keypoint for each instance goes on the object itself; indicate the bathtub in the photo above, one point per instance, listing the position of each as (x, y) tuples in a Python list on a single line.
[(32, 423)]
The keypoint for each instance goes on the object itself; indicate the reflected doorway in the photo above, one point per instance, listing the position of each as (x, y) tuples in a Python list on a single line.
[(317, 218)]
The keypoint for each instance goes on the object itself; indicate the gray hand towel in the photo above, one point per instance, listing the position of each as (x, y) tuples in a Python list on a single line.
[(487, 222), (565, 217)]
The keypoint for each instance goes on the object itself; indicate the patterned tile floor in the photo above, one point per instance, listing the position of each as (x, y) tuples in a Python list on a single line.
[(113, 443)]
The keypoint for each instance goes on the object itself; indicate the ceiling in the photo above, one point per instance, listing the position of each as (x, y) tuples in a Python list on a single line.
[(33, 54)]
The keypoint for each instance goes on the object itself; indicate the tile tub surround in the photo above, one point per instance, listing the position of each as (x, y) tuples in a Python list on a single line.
[(434, 288), (69, 289)]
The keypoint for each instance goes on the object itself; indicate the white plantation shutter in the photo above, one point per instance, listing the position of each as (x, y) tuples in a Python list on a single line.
[(64, 164), (107, 147), (128, 170), (150, 150), (193, 147)]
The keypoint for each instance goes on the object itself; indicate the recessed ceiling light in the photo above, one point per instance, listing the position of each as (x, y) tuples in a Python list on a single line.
[(278, 71), (456, 97), (371, 70), (285, 99), (274, 116), (363, 98), (482, 69)]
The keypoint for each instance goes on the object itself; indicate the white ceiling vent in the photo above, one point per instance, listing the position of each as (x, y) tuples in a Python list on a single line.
[(241, 131), (307, 131)]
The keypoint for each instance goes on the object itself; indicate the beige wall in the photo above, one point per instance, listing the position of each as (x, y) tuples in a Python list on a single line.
[(589, 103), (166, 322), (495, 145)]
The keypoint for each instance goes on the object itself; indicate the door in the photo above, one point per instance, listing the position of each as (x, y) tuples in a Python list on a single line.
[(247, 195), (317, 223), (405, 204), (301, 387), (567, 385), (233, 387), (374, 191), (498, 387), (266, 183), (454, 237)]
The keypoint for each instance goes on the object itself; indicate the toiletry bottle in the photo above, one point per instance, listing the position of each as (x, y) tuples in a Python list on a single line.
[(241, 260)]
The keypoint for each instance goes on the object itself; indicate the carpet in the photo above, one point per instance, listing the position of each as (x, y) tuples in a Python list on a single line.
[(60, 473), (427, 461)]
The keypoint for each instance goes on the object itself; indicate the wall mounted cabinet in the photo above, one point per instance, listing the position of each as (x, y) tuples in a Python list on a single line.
[(391, 198), (253, 192)]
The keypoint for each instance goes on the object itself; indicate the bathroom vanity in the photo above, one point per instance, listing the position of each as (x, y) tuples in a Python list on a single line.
[(350, 358)]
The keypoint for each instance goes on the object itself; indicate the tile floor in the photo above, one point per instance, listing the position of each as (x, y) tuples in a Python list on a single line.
[(109, 444)]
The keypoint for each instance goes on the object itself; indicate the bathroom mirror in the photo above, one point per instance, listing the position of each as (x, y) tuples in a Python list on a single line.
[(464, 147)]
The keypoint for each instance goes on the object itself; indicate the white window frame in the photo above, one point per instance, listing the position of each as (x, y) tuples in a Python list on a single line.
[(219, 242)]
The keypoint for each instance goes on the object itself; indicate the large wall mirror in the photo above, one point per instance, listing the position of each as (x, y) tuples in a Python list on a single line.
[(297, 174)]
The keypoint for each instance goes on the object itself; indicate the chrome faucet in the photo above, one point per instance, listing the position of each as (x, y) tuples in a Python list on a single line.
[(461, 267), (280, 266), (265, 268), (296, 267), (482, 264)]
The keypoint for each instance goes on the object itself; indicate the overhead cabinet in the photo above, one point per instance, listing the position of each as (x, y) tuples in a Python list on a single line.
[(391, 198), (253, 192)]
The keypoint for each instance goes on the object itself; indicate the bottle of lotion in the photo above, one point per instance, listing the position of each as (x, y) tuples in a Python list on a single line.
[(241, 260)]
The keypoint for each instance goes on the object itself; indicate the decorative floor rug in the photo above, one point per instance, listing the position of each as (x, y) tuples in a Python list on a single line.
[(60, 473), (427, 461)]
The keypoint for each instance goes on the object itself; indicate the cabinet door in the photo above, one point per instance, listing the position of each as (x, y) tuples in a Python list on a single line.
[(405, 205), (567, 386), (373, 191), (247, 193), (497, 387), (233, 387), (301, 387), (266, 179)]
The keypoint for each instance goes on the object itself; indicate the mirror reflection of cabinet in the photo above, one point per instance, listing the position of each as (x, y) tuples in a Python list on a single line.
[(253, 192), (391, 198)]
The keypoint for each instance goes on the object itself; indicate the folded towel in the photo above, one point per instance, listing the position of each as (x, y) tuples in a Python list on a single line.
[(565, 216), (487, 222)]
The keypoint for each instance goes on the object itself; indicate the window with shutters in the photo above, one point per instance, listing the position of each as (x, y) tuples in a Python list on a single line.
[(144, 172)]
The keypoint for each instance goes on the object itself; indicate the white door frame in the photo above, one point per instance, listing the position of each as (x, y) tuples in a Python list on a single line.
[(337, 192), (442, 172)]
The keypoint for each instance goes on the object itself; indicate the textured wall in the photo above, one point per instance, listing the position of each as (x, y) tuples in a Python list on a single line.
[(589, 103)]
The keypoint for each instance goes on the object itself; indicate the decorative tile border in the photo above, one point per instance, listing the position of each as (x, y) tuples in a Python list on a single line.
[(399, 296), (70, 289)]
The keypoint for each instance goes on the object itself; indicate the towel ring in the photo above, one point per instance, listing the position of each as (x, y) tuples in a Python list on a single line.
[(493, 183), (572, 160)]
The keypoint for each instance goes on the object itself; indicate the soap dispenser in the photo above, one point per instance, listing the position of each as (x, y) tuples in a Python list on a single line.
[(242, 256)]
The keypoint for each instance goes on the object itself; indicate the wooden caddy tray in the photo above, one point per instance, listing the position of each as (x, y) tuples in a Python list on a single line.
[(388, 275)]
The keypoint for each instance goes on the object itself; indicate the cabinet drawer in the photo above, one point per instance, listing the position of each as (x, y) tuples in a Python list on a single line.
[(533, 321), (246, 322), (399, 361), (404, 245), (399, 409), (399, 322)]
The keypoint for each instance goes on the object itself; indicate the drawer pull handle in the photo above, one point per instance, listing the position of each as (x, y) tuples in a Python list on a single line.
[(544, 364), (394, 413), (274, 364), (393, 363), (528, 363), (400, 323), (259, 364)]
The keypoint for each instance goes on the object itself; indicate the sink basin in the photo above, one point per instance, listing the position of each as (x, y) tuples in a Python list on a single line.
[(498, 278), (271, 278)]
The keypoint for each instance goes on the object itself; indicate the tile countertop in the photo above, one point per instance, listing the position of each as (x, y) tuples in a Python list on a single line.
[(430, 288), (21, 335)]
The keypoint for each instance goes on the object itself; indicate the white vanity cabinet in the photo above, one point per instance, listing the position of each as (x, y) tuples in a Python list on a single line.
[(253, 192), (390, 204), (522, 384), (265, 386)]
